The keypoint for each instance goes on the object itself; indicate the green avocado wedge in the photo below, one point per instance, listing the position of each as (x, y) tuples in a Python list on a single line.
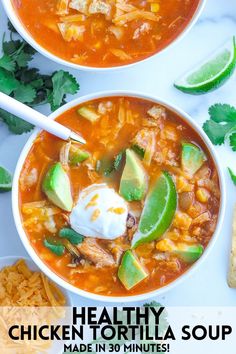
[(133, 184), (192, 158), (76, 156), (56, 186), (131, 272), (158, 212), (189, 253)]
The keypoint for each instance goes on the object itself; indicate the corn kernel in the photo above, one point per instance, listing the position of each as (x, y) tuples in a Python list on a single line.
[(155, 7), (182, 221), (97, 45), (183, 185), (202, 195), (165, 245)]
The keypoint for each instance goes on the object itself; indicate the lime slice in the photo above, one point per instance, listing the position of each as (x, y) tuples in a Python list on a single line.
[(5, 180), (211, 73), (158, 212)]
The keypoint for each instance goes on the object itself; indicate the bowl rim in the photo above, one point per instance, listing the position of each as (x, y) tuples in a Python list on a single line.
[(56, 278), (17, 23)]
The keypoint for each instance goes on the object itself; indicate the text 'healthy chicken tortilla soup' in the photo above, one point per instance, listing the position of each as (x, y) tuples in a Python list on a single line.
[(105, 33), (128, 212)]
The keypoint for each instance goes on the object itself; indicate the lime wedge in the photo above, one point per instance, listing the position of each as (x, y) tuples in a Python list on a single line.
[(158, 212), (211, 73), (5, 180)]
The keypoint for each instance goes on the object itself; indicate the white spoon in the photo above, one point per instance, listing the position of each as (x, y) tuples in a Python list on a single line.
[(19, 109)]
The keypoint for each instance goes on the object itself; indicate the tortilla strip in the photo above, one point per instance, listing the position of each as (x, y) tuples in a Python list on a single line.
[(232, 264)]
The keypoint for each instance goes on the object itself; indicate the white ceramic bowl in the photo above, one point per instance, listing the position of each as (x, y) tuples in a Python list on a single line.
[(54, 276), (15, 20)]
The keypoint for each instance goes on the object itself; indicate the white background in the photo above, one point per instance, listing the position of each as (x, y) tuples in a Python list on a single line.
[(207, 286)]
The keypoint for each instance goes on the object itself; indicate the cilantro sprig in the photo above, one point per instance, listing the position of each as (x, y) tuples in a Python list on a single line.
[(222, 127), (27, 84)]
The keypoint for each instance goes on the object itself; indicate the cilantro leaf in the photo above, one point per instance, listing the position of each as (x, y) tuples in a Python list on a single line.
[(25, 93), (9, 48), (15, 125), (38, 83), (58, 249), (28, 49), (222, 113), (221, 125), (63, 83), (118, 160), (11, 27), (232, 141), (217, 132), (8, 83), (7, 63), (74, 237), (28, 85), (26, 75), (232, 175), (152, 304), (23, 58)]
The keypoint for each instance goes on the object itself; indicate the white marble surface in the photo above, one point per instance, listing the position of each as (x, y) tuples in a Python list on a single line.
[(207, 286)]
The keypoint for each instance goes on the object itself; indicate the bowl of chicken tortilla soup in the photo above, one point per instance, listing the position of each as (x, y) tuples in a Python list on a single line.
[(102, 34), (131, 212)]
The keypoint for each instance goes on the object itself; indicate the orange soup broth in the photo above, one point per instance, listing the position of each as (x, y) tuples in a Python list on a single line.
[(105, 139), (96, 46)]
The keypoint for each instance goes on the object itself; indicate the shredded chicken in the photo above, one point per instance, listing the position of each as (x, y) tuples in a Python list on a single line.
[(135, 15), (142, 138), (79, 5), (105, 107), (100, 7), (50, 225), (71, 31), (31, 178), (157, 112), (120, 54), (143, 29), (117, 31), (62, 7), (202, 218), (64, 154), (91, 250), (170, 133)]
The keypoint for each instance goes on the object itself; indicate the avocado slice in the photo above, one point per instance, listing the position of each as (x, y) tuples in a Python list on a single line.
[(139, 150), (56, 186), (77, 155), (133, 184), (192, 158), (189, 253), (131, 272)]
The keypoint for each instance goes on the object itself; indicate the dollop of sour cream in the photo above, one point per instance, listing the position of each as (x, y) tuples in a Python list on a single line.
[(100, 212)]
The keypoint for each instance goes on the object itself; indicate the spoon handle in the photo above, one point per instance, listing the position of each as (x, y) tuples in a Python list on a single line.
[(38, 119)]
